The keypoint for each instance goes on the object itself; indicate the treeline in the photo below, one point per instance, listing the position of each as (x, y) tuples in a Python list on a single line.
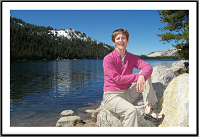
[(158, 57), (33, 42)]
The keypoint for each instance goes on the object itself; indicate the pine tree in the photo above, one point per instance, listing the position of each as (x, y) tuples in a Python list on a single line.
[(177, 29)]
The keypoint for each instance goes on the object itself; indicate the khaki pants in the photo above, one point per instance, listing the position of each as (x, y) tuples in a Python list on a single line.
[(120, 102)]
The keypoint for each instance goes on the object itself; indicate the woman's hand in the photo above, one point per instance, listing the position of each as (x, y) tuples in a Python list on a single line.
[(141, 84)]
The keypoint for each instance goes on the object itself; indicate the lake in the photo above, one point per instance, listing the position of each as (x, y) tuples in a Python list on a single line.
[(41, 90)]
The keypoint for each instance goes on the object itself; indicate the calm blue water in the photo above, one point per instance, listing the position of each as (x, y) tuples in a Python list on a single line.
[(41, 90)]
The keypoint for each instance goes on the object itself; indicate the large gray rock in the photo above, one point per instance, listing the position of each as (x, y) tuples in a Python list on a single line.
[(178, 67), (67, 113), (175, 103), (162, 74), (177, 70), (179, 63), (68, 121), (160, 78)]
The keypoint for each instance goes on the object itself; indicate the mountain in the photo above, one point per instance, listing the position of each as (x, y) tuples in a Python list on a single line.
[(31, 42), (163, 53), (70, 33)]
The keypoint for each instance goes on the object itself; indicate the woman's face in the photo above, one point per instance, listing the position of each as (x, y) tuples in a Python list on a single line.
[(121, 42)]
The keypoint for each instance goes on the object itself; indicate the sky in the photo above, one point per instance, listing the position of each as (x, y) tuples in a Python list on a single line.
[(98, 20), (143, 25)]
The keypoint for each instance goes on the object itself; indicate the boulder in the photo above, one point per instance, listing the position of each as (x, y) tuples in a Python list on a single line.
[(68, 121), (179, 63), (177, 67), (159, 89), (67, 113), (160, 78), (175, 103), (176, 70), (162, 74)]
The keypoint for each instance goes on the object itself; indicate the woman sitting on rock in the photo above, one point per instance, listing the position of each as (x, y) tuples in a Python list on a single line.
[(120, 90)]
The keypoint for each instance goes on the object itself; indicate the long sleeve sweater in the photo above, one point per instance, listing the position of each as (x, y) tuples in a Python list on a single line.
[(118, 76)]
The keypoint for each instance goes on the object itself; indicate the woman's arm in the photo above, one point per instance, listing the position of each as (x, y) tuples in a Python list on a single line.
[(144, 66), (144, 74), (111, 71)]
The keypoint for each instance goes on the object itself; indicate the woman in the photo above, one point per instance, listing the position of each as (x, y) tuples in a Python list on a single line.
[(119, 92)]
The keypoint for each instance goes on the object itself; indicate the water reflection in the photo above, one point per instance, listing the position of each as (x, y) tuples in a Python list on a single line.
[(72, 77), (39, 82)]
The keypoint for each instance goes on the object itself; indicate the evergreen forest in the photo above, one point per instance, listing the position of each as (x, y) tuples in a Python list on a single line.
[(31, 42)]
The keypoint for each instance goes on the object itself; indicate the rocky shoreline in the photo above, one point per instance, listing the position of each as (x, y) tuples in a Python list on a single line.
[(172, 90)]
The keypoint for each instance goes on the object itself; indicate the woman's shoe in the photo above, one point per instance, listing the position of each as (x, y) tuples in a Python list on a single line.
[(151, 118)]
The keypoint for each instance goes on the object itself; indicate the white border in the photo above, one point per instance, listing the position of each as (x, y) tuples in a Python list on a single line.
[(98, 5), (7, 6)]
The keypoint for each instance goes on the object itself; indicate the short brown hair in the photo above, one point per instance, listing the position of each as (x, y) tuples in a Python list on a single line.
[(118, 31)]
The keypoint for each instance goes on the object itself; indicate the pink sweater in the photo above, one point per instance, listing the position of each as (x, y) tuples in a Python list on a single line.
[(119, 77)]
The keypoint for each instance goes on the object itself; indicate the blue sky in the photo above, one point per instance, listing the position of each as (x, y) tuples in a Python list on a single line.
[(143, 25)]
